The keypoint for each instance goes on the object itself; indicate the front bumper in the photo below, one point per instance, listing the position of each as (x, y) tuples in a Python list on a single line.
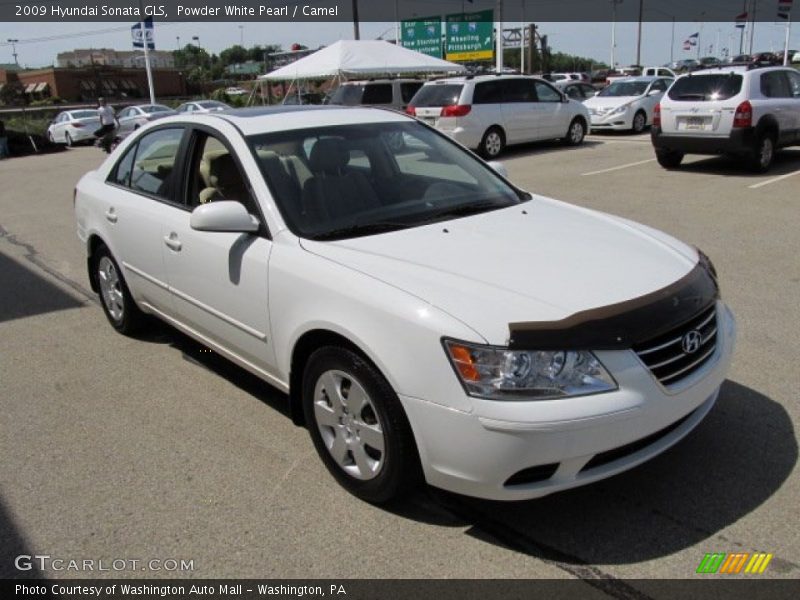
[(740, 142), (553, 441), (619, 122)]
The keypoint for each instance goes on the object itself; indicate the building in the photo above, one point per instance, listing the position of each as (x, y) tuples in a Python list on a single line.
[(127, 59), (87, 83)]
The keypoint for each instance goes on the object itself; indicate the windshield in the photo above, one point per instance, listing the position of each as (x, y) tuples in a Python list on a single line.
[(212, 104), (353, 180), (151, 108), (706, 87), (437, 95), (624, 88), (84, 114)]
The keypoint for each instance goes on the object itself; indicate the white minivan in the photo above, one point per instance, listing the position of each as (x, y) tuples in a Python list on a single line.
[(489, 112)]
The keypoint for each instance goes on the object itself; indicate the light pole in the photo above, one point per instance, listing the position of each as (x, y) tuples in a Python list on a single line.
[(177, 42), (614, 32), (241, 35), (356, 35), (14, 50), (639, 36)]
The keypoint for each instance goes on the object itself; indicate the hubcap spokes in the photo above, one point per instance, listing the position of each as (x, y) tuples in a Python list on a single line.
[(111, 289), (349, 425)]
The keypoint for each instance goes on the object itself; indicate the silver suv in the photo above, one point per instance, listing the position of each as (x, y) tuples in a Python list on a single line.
[(488, 112), (734, 110)]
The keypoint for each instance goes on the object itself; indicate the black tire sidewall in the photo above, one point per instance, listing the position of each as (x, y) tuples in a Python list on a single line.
[(644, 122), (754, 159), (399, 470), (483, 152)]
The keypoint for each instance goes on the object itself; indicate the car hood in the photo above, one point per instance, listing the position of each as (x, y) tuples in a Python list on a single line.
[(609, 102), (543, 260)]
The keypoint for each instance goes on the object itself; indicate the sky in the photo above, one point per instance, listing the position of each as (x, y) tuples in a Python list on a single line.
[(591, 40)]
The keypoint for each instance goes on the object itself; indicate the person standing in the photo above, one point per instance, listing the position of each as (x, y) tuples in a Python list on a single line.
[(107, 122), (4, 153)]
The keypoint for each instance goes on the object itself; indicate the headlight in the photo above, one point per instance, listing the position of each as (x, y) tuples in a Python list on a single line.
[(501, 374), (620, 109)]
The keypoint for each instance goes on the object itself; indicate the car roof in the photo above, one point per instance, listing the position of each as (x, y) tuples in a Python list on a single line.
[(640, 79), (267, 119), (480, 78)]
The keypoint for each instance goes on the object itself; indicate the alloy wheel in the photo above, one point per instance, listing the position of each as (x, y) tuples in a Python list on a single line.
[(349, 425), (111, 288)]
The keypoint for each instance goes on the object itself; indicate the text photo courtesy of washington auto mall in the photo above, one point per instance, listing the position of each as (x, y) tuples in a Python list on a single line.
[(399, 299)]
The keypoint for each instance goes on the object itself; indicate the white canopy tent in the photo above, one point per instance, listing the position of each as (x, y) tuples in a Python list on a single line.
[(346, 59)]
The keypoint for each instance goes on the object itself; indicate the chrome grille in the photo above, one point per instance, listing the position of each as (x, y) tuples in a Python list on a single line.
[(666, 356)]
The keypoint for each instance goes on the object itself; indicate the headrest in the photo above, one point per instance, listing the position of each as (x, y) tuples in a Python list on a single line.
[(329, 155), (223, 170)]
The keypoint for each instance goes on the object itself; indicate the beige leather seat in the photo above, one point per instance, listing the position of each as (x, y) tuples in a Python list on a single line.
[(225, 181)]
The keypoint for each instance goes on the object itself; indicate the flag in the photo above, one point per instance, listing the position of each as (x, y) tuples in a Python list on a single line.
[(691, 41), (784, 8), (741, 20), (137, 37)]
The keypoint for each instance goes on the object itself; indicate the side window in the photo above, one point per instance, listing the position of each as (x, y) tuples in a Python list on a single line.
[(121, 175), (545, 93), (775, 85), (488, 92), (659, 85), (216, 176), (123, 114), (153, 167), (519, 90), (574, 92), (588, 91), (377, 93), (407, 90), (794, 83)]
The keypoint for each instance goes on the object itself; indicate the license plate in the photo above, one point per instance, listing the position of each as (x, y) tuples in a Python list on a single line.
[(695, 123), (429, 120)]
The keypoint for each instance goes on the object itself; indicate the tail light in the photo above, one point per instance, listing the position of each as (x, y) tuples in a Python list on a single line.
[(410, 110), (657, 115), (77, 125), (744, 115), (459, 110)]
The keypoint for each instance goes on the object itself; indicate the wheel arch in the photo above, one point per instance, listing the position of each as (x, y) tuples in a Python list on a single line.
[(92, 244), (305, 345), (768, 124)]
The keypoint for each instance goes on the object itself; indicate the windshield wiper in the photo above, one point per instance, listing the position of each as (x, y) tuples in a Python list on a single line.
[(463, 211), (360, 229)]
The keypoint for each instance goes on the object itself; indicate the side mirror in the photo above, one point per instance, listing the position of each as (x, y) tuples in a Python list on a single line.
[(499, 168), (223, 215)]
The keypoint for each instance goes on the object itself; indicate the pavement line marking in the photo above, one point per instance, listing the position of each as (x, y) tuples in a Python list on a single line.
[(755, 186), (633, 164)]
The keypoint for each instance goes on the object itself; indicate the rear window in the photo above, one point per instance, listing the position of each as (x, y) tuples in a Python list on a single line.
[(348, 95), (438, 95), (706, 87), (84, 114), (154, 108), (407, 90), (377, 93)]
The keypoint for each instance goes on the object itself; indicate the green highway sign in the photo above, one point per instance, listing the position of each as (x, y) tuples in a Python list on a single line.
[(423, 35), (470, 36)]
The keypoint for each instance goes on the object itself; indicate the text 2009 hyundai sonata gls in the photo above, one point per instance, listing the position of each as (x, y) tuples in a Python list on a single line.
[(427, 318)]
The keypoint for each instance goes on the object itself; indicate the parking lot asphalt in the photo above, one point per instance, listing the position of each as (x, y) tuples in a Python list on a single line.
[(155, 448)]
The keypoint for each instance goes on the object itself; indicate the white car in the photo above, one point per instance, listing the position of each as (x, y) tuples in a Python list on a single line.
[(426, 318), (131, 118), (73, 126), (202, 106), (626, 104), (735, 110), (489, 112)]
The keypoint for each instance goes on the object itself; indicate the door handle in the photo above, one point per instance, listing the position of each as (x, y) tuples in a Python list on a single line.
[(111, 216), (172, 242)]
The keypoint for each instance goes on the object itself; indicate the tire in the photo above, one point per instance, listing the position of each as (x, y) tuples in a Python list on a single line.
[(760, 160), (115, 297), (343, 397), (576, 133), (492, 144), (669, 159), (639, 122), (68, 140), (50, 137)]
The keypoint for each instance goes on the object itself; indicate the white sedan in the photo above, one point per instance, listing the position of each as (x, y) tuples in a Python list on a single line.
[(202, 106), (133, 117), (626, 104), (73, 126), (426, 317)]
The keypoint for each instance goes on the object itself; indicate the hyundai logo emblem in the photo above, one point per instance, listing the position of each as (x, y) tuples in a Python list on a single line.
[(691, 342)]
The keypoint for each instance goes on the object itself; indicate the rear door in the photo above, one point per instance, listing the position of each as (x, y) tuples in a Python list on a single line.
[(521, 112), (775, 87), (702, 105), (794, 105)]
